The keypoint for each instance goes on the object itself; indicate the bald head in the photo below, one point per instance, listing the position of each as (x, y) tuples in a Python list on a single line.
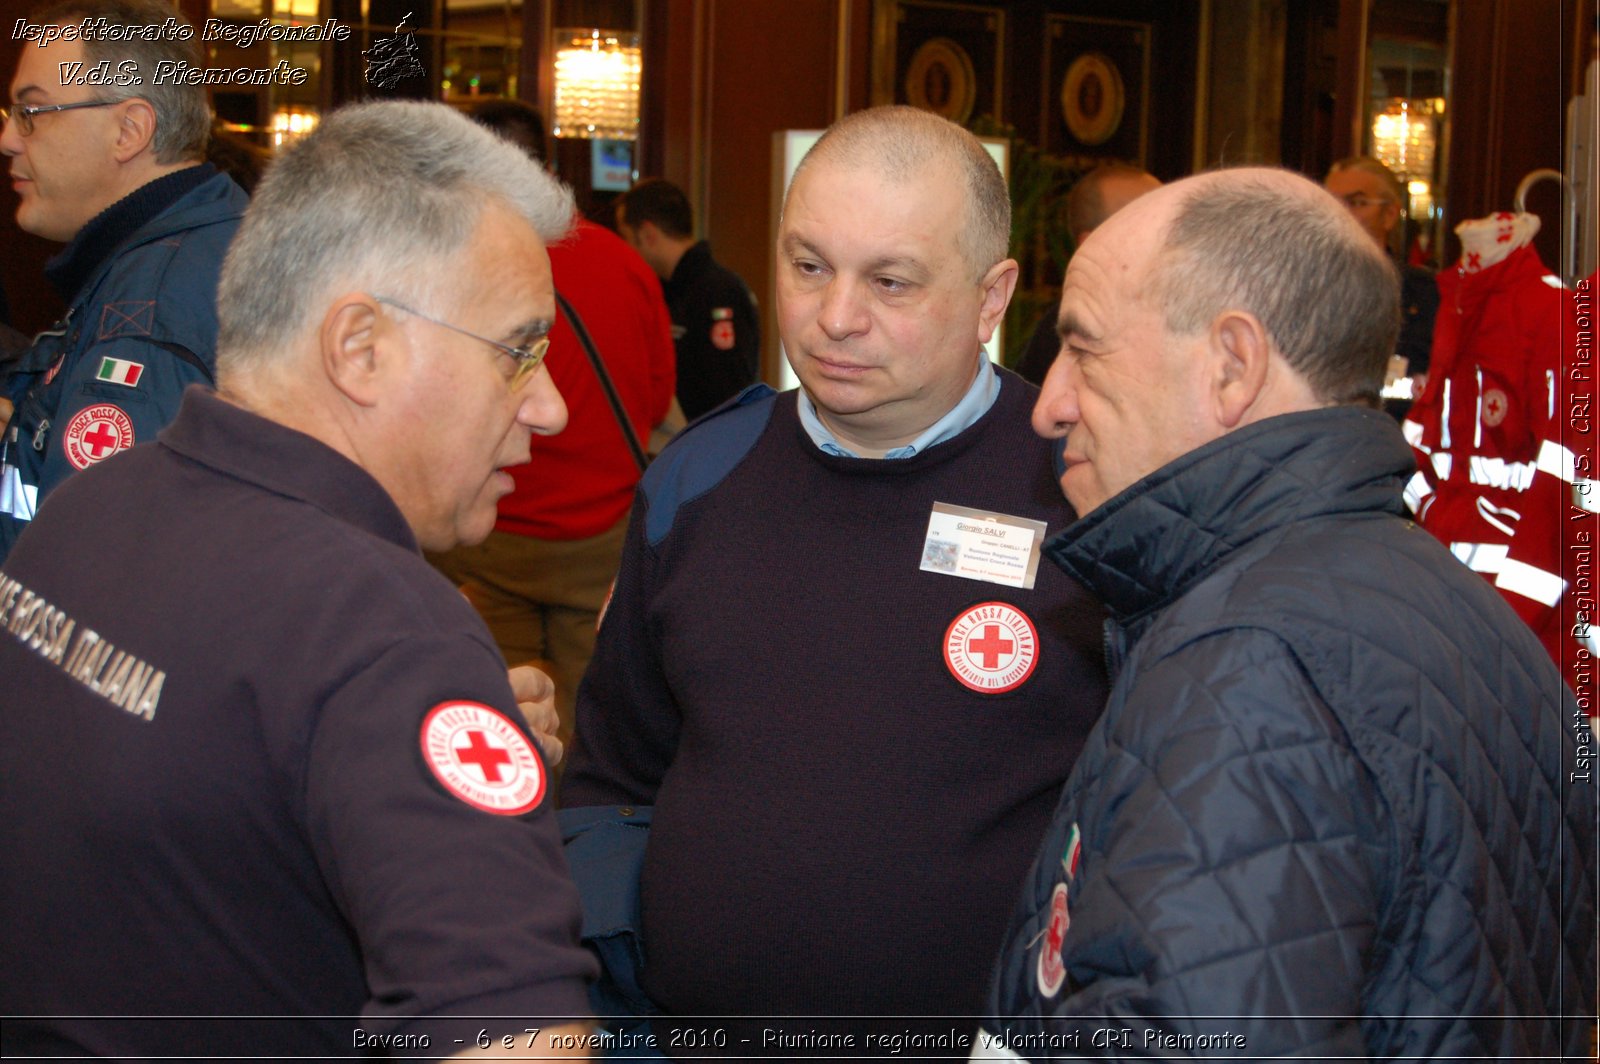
[(1273, 244), (1205, 306), (1102, 192), (901, 144)]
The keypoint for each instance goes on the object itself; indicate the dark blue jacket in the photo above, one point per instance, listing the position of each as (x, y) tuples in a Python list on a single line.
[(1336, 806), (111, 373)]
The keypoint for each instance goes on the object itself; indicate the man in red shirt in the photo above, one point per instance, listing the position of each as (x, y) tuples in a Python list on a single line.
[(541, 577)]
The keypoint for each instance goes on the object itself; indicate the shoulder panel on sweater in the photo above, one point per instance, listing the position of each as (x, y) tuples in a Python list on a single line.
[(702, 456)]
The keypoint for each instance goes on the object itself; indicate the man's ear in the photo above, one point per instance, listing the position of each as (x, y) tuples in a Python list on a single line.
[(136, 128), (352, 342), (997, 285), (1242, 352)]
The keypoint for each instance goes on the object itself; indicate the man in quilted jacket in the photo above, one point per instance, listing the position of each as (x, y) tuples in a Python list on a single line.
[(1340, 803)]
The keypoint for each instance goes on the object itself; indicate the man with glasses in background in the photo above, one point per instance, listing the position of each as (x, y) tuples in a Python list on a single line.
[(1373, 195), (115, 171), (247, 709)]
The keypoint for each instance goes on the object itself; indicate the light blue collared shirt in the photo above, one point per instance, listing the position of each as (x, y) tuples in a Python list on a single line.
[(980, 397)]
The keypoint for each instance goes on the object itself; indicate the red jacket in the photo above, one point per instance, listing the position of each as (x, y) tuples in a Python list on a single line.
[(1548, 576), (1496, 357), (581, 482)]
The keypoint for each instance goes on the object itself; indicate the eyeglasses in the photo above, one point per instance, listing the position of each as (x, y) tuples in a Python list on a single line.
[(529, 356), (1360, 201), (24, 115)]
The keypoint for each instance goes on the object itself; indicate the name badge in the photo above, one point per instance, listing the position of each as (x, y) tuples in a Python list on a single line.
[(976, 545)]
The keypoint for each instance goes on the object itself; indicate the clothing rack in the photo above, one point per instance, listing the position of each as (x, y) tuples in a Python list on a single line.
[(1567, 267), (1580, 182)]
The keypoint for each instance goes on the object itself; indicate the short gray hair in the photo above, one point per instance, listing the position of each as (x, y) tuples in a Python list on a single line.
[(1293, 257), (900, 142), (183, 117), (379, 196)]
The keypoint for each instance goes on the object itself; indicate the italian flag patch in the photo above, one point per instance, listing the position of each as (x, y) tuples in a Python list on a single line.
[(119, 371)]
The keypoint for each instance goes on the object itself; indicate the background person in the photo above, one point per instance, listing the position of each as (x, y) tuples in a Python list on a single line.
[(541, 576), (1096, 196), (1374, 196), (117, 174), (714, 320)]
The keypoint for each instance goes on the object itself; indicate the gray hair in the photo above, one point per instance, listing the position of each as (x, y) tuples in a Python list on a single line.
[(900, 142), (1291, 256), (379, 196), (183, 117)]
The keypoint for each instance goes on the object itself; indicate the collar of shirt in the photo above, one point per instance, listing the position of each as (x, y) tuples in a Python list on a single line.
[(980, 397)]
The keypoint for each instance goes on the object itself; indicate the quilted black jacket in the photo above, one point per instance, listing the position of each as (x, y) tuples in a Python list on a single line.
[(1330, 808)]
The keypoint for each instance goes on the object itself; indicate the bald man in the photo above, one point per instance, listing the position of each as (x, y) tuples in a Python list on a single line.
[(1331, 808), (831, 663), (1098, 195)]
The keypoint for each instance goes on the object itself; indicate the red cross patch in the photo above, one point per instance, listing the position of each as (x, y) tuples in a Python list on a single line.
[(95, 434), (992, 648), (1052, 971), (482, 758), (1495, 406), (722, 334)]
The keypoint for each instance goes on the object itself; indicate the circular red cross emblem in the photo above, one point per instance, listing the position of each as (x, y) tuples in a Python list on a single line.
[(1052, 970), (95, 434), (991, 648), (1495, 406), (482, 758)]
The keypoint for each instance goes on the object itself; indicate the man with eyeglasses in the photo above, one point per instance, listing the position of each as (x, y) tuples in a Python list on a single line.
[(115, 171), (1373, 195), (240, 705)]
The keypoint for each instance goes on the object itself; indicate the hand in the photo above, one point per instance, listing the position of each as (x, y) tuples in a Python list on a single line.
[(5, 411), (536, 697)]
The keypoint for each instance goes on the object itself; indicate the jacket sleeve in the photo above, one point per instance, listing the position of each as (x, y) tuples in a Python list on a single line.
[(120, 392), (605, 851), (1228, 883)]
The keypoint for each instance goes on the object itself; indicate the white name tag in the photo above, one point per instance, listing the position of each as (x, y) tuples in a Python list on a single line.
[(16, 498), (996, 548)]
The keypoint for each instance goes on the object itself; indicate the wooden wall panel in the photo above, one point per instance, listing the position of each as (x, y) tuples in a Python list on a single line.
[(1508, 112), (721, 76)]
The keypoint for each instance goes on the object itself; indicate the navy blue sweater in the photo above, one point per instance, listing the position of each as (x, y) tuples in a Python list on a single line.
[(841, 824)]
